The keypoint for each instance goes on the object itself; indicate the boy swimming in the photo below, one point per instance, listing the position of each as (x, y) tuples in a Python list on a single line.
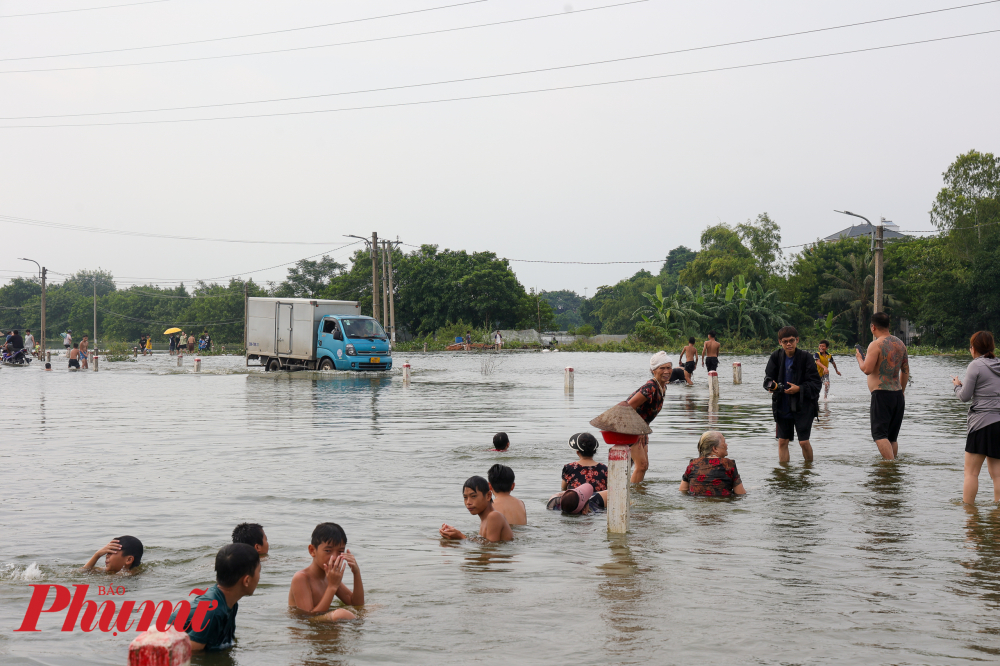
[(125, 552), (253, 535), (314, 588), (478, 500), (501, 480), (500, 441), (237, 572)]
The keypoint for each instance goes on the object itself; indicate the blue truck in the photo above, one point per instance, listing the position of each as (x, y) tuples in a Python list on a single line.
[(314, 334)]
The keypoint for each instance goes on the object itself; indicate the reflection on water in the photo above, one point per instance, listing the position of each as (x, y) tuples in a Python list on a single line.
[(846, 559)]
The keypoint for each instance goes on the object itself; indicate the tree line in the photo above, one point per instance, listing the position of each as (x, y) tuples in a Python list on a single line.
[(738, 282)]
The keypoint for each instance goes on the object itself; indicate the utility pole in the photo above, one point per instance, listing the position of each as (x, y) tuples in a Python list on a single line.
[(246, 319), (95, 314), (385, 291), (44, 272), (375, 289), (392, 304), (879, 277)]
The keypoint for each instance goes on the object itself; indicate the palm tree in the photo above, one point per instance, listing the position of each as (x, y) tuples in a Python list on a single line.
[(855, 288), (661, 310), (765, 311)]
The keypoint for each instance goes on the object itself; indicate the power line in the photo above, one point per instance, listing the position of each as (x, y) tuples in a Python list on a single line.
[(168, 323), (84, 9), (515, 93), (323, 46), (254, 34), (124, 232)]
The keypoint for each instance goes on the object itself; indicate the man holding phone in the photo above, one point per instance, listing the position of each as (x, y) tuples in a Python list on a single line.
[(887, 365), (793, 381)]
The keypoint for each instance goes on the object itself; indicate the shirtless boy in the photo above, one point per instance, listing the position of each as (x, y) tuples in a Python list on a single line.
[(492, 525), (691, 364), (314, 588), (501, 480), (125, 552), (888, 368), (710, 352), (84, 346), (74, 356)]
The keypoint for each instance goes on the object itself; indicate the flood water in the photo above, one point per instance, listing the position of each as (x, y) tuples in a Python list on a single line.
[(848, 560)]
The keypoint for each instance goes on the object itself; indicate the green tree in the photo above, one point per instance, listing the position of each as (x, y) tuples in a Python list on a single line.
[(970, 196), (307, 279), (854, 288), (751, 249)]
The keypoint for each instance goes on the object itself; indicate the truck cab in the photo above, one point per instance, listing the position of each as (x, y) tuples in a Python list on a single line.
[(352, 342)]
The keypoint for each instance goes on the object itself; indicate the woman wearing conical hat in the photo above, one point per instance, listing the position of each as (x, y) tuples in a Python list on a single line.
[(647, 402)]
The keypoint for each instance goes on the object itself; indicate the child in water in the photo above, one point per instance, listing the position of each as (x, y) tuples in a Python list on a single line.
[(125, 552), (253, 535), (314, 588), (582, 500), (479, 501), (500, 441), (501, 480)]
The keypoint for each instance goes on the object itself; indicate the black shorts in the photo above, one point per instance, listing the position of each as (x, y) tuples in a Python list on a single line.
[(690, 367), (73, 363), (887, 414), (676, 375), (985, 441), (787, 428), (712, 363)]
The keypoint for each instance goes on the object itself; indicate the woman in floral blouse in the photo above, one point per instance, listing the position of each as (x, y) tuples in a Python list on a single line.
[(647, 402), (584, 470), (712, 474)]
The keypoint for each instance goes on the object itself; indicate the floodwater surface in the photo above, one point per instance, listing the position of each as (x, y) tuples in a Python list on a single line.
[(847, 560)]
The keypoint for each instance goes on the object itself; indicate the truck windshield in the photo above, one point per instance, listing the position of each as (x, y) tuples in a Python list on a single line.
[(367, 329)]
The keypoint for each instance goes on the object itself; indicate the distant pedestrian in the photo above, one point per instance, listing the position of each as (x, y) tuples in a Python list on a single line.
[(74, 356), (191, 343), (29, 341), (142, 344), (149, 343), (710, 352), (67, 339), (84, 347), (794, 384), (468, 340), (498, 340), (823, 360), (173, 345), (689, 360), (888, 368), (982, 387)]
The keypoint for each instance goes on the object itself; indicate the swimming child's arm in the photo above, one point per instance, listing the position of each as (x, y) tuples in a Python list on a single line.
[(302, 594), (449, 532), (112, 547), (357, 596)]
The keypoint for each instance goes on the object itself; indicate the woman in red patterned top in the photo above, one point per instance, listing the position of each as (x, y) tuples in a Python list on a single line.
[(647, 402), (712, 474), (585, 470)]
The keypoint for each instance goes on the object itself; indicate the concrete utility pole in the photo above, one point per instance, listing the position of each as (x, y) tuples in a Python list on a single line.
[(879, 276), (375, 288), (95, 315), (385, 291), (392, 303)]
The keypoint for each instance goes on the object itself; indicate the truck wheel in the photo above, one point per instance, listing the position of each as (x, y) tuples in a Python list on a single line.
[(274, 365), (326, 364)]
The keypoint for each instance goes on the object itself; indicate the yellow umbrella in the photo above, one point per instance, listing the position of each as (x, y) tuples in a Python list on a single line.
[(171, 330)]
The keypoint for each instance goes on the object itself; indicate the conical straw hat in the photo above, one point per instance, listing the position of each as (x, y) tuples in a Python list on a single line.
[(621, 419)]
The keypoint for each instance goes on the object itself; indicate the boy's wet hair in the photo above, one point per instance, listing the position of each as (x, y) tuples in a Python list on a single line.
[(48, 366), (330, 533), (478, 484), (501, 441), (501, 478), (76, 345), (251, 534), (233, 562), (712, 334), (570, 500), (131, 546), (825, 342), (691, 340)]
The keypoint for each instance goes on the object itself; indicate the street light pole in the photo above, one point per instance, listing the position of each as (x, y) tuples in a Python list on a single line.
[(878, 241), (42, 270), (375, 286)]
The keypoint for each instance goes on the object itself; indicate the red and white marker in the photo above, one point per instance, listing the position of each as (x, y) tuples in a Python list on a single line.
[(160, 648), (406, 370), (737, 372), (568, 381), (713, 384)]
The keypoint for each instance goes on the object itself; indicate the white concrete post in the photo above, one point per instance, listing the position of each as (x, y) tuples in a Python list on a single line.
[(425, 346), (48, 357), (180, 359), (737, 372), (406, 371), (618, 501), (568, 379), (160, 648), (713, 383), (93, 360), (197, 365)]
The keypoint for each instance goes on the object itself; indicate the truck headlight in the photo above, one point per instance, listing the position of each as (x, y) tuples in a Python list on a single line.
[(388, 353), (350, 350)]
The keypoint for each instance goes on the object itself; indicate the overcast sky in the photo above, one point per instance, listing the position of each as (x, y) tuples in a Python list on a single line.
[(620, 172)]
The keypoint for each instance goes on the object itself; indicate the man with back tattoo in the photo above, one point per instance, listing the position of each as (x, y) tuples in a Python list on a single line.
[(888, 368)]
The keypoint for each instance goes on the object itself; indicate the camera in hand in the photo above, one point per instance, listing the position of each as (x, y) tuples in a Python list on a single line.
[(774, 385)]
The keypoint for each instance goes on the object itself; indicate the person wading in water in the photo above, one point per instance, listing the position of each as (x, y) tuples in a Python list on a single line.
[(647, 402)]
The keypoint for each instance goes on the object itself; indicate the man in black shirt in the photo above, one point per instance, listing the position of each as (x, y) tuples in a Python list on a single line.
[(794, 407)]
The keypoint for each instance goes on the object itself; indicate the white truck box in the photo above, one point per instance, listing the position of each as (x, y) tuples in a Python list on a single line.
[(286, 327)]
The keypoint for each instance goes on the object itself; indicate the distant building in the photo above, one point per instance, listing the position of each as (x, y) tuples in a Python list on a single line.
[(891, 231)]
